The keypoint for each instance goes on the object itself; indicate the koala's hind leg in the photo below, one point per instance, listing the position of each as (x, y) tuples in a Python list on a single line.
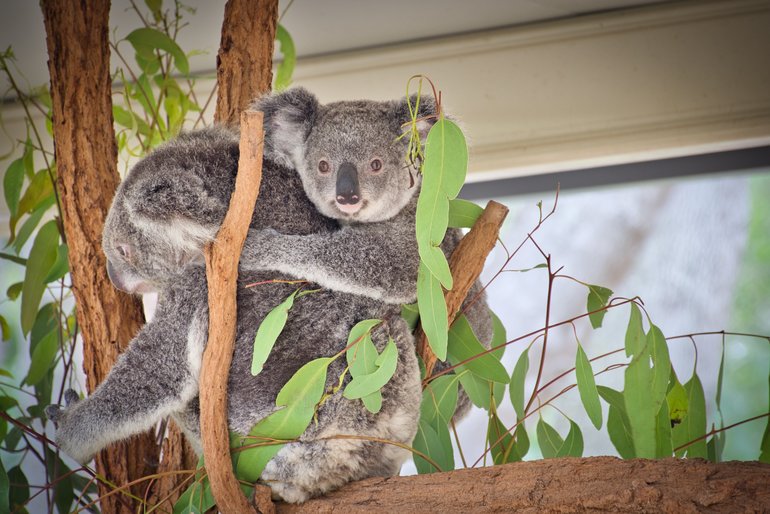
[(344, 445)]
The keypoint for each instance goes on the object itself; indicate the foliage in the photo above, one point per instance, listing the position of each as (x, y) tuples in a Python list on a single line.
[(654, 415)]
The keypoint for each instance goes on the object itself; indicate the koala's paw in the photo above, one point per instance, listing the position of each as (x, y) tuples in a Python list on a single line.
[(283, 489), (71, 436)]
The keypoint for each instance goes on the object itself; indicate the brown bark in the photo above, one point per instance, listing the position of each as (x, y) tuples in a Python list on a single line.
[(245, 58), (597, 484), (466, 263), (86, 157), (222, 275)]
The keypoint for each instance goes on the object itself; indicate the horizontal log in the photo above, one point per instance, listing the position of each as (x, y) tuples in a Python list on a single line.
[(561, 485)]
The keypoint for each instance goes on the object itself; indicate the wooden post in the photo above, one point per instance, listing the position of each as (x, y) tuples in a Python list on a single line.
[(466, 263), (222, 275)]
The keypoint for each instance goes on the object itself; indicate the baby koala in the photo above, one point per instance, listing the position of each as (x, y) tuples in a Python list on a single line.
[(353, 168)]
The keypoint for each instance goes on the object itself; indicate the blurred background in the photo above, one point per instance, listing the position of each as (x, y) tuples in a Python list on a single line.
[(653, 116)]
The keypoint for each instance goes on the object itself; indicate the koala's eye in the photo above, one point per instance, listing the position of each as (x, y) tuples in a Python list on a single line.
[(376, 165), (323, 166), (124, 251)]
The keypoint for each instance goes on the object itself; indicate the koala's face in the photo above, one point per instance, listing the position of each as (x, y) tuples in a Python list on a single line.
[(353, 167), (350, 158), (139, 258)]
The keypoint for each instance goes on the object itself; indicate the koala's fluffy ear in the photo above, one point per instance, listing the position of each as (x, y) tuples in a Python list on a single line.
[(289, 116), (426, 113)]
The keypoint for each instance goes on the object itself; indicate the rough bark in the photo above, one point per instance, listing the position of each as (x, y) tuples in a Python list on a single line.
[(466, 263), (245, 58), (597, 484), (86, 157), (222, 275)]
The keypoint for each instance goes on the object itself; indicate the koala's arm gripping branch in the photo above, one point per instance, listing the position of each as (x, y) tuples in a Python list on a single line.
[(222, 276), (466, 264)]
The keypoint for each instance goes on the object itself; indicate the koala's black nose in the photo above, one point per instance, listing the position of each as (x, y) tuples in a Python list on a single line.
[(347, 184)]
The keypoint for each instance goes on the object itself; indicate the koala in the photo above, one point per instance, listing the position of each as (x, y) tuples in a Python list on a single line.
[(168, 207), (353, 168)]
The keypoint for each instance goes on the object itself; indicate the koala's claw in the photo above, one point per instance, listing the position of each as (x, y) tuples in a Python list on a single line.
[(71, 396), (53, 413)]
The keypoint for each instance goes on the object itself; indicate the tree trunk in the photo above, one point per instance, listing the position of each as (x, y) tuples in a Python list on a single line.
[(86, 157), (245, 58), (597, 484)]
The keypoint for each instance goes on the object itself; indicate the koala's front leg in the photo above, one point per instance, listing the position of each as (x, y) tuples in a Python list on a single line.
[(377, 260), (152, 379)]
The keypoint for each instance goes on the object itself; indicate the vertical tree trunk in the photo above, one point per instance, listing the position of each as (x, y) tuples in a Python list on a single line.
[(245, 58), (86, 156)]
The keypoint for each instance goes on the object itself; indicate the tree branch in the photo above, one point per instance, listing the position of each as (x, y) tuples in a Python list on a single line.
[(222, 276), (597, 484)]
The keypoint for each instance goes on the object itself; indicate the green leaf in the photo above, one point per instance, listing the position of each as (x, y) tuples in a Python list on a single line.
[(146, 40), (635, 339), (573, 444), (306, 386), (677, 403), (364, 385), (518, 380), (587, 388), (5, 330), (286, 67), (598, 297), (446, 162), (42, 256), (433, 311), (663, 445), (463, 345), (14, 290), (5, 490), (362, 359), (30, 224), (37, 191), (12, 183), (196, 499), (618, 425), (463, 214), (429, 442), (13, 258), (19, 493), (481, 392), (693, 425), (764, 449), (439, 400), (360, 329), (549, 439), (60, 267), (268, 332), (42, 358), (411, 314), (499, 337), (502, 452)]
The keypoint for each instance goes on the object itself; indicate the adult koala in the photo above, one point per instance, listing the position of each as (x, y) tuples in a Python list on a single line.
[(169, 205)]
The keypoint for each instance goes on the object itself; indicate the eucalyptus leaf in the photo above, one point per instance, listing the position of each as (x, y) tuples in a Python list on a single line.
[(146, 40), (598, 297), (663, 444), (39, 188), (269, 330), (30, 224), (428, 442), (41, 258), (433, 311), (518, 381), (14, 290), (439, 400), (411, 315), (19, 493), (463, 345), (587, 388), (462, 213), (364, 385), (573, 443), (285, 68), (5, 490), (13, 180), (5, 330), (618, 425), (549, 439), (43, 357), (60, 267), (693, 425)]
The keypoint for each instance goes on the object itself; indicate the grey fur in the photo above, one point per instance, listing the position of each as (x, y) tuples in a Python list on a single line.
[(157, 375)]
